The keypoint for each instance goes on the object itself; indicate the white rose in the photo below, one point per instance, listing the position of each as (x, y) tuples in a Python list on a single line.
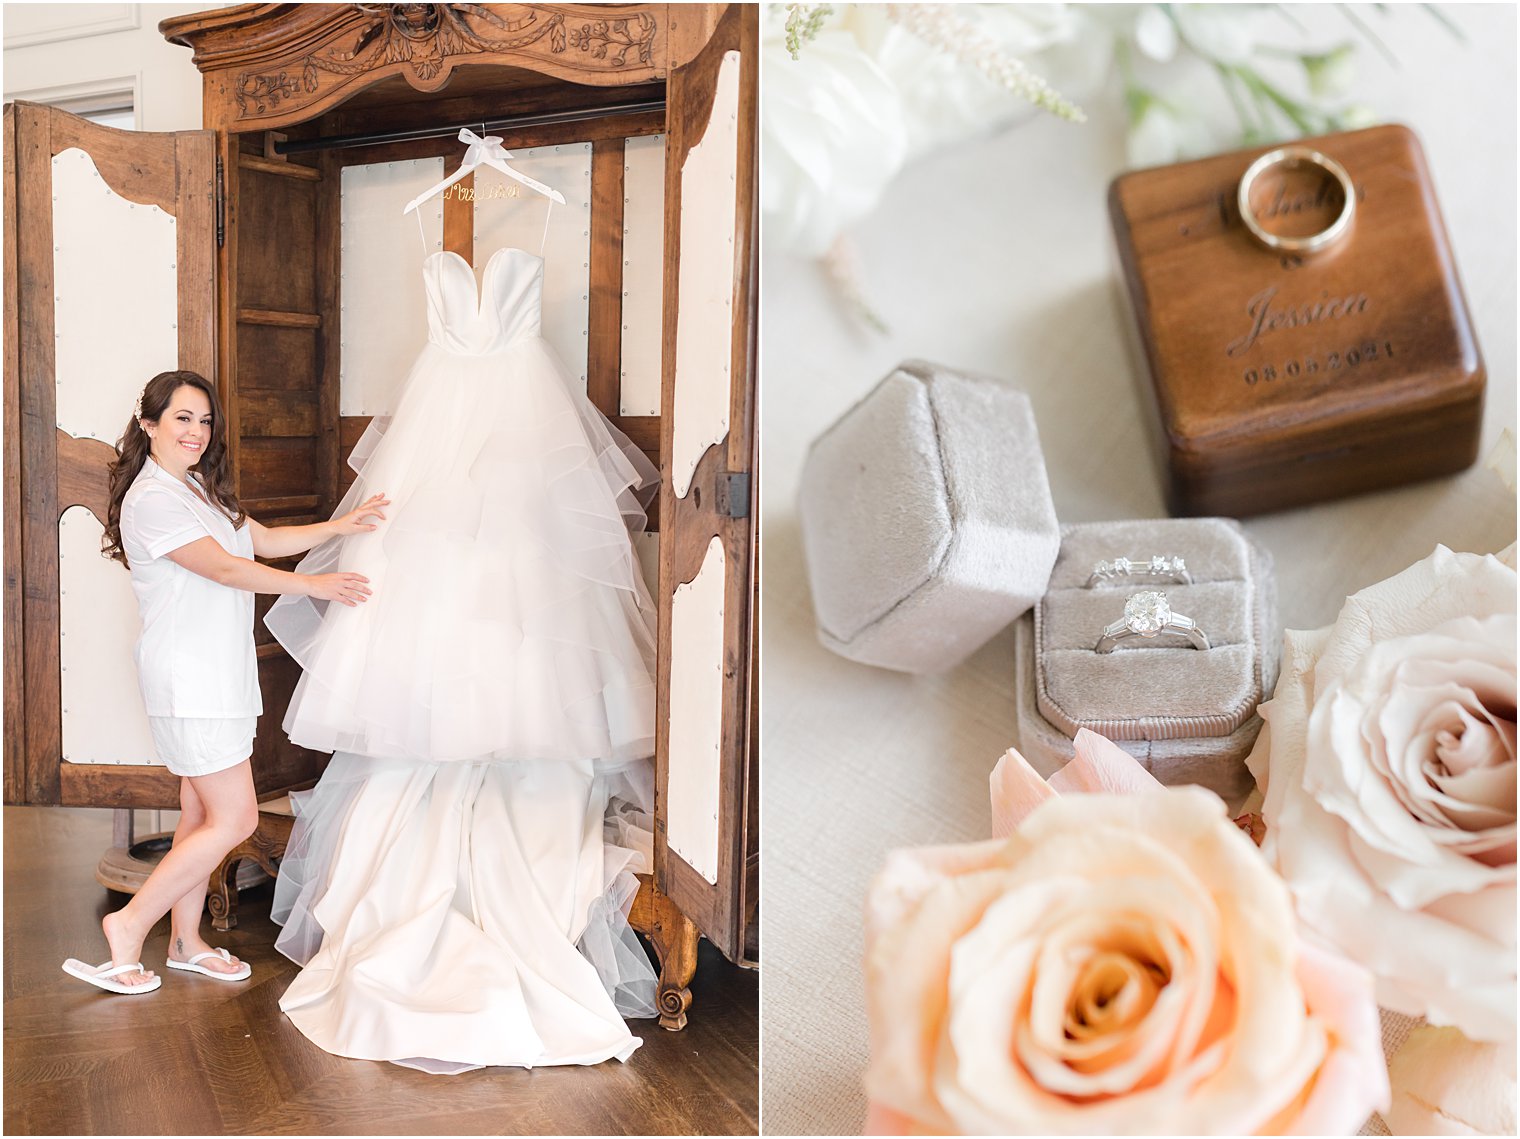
[(1160, 134), (868, 95), (1331, 74), (833, 137), (1228, 33), (944, 101), (1388, 766), (1155, 34)]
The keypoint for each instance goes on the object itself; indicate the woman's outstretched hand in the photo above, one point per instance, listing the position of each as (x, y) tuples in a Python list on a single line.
[(354, 521), (349, 588)]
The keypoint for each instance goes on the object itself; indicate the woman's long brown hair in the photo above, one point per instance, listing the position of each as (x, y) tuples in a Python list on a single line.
[(134, 446)]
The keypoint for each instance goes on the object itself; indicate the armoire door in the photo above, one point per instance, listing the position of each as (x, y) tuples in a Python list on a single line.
[(110, 278), (704, 746)]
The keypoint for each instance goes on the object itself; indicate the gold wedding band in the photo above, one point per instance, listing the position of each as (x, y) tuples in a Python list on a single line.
[(1291, 157)]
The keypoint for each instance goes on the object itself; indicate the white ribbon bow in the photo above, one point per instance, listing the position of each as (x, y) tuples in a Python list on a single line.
[(481, 149)]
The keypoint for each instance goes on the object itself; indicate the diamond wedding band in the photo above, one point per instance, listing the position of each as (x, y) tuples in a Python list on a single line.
[(1290, 157), (1147, 614), (1157, 568)]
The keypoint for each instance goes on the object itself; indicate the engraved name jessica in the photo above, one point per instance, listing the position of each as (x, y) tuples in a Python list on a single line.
[(1268, 317)]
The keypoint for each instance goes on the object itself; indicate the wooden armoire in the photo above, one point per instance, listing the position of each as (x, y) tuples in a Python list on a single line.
[(293, 95)]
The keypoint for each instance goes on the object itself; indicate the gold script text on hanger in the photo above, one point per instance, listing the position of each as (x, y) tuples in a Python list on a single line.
[(486, 151)]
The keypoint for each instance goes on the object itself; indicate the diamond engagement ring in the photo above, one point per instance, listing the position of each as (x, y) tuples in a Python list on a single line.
[(1147, 614), (1159, 568)]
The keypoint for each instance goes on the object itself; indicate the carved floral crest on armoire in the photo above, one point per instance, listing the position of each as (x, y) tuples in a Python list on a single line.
[(268, 252)]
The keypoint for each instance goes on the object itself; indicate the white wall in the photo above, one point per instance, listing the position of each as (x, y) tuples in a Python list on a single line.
[(56, 52)]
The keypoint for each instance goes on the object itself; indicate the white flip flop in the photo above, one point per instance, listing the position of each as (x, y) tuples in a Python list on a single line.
[(101, 976), (191, 966)]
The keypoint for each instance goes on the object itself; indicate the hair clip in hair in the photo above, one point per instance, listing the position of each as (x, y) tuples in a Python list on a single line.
[(137, 408)]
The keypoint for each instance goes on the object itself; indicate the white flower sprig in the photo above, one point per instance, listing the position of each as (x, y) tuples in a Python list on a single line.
[(1276, 92), (939, 27), (803, 23)]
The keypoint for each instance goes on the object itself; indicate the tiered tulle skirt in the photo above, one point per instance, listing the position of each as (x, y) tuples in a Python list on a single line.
[(509, 618)]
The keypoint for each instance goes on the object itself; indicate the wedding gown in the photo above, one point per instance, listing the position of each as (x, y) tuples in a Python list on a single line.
[(457, 884)]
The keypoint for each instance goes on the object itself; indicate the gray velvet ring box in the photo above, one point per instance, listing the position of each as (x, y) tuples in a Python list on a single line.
[(927, 521), (1188, 715)]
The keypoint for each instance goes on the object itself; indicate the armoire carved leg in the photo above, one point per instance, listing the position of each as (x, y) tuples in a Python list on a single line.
[(222, 895), (675, 943), (265, 846)]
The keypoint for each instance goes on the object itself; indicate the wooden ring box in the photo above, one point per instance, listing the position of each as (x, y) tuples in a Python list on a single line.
[(1277, 380)]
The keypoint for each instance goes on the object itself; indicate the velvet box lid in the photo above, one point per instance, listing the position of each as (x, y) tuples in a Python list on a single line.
[(927, 520), (1275, 379)]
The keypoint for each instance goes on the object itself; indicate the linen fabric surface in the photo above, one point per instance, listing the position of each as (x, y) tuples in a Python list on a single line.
[(926, 519), (195, 655), (202, 746), (457, 885), (1188, 715)]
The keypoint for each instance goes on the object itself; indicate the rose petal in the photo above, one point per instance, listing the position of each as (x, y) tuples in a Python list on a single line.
[(1279, 770), (907, 875), (1445, 1084), (1016, 789), (1443, 587), (1374, 780), (1425, 964), (921, 903), (884, 1121), (1339, 994), (1102, 765), (1488, 742), (1099, 765)]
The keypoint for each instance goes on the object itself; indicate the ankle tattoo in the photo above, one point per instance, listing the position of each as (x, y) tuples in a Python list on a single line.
[(179, 945)]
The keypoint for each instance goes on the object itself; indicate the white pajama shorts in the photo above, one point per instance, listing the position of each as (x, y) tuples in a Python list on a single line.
[(202, 745)]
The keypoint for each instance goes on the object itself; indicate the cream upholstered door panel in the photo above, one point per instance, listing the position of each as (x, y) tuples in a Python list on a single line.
[(115, 326), (643, 273), (110, 278), (115, 294), (103, 716), (696, 714), (704, 329)]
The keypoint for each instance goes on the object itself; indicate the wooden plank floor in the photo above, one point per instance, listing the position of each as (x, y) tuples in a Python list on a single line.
[(207, 1057)]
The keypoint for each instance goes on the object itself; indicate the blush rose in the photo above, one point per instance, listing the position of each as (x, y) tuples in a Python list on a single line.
[(1388, 770), (1123, 962)]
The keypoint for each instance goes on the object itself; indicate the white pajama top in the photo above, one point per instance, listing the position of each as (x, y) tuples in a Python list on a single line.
[(195, 657)]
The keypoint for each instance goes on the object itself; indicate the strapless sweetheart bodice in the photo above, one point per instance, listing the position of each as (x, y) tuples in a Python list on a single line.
[(503, 311)]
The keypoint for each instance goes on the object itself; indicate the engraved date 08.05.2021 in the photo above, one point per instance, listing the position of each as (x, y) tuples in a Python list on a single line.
[(1313, 364)]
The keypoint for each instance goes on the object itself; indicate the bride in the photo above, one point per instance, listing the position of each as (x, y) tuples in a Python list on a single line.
[(457, 884)]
